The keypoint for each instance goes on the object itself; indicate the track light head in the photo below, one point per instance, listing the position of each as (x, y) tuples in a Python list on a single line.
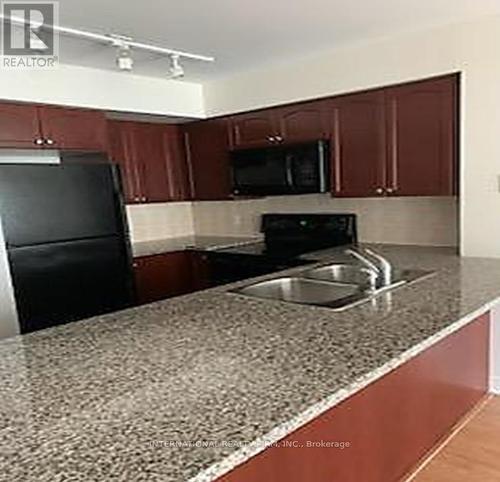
[(124, 59), (176, 69)]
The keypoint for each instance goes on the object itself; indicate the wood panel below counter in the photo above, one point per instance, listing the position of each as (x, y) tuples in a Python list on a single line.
[(390, 425)]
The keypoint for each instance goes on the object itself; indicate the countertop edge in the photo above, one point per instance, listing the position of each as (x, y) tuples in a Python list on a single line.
[(244, 454)]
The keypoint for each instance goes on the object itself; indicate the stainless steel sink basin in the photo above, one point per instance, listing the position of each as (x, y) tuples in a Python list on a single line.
[(303, 291), (343, 273), (364, 278), (336, 286)]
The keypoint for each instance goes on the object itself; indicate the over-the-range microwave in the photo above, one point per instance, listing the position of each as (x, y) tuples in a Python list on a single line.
[(277, 170)]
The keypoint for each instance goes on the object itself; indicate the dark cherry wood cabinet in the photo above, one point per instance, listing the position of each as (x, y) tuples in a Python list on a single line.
[(422, 138), (207, 148), (358, 145), (43, 126), (79, 129), (390, 425), (20, 126), (396, 141), (152, 161), (120, 152), (254, 129), (166, 275), (308, 121), (162, 276)]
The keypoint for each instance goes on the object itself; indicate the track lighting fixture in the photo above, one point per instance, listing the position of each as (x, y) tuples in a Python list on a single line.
[(176, 69), (124, 46)]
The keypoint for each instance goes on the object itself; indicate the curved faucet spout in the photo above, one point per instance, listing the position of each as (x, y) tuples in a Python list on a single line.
[(378, 264)]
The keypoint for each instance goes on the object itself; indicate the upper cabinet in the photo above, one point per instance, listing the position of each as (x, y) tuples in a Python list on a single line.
[(19, 126), (422, 138), (152, 161), (254, 129), (358, 145), (41, 126), (207, 148), (81, 129), (306, 121), (397, 141)]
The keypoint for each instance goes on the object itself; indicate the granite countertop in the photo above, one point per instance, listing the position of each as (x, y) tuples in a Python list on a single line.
[(126, 396), (204, 243)]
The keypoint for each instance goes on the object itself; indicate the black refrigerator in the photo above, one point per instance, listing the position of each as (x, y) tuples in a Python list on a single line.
[(67, 242)]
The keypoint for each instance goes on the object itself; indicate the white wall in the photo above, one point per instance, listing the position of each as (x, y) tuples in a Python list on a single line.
[(423, 221), (470, 48), (101, 89)]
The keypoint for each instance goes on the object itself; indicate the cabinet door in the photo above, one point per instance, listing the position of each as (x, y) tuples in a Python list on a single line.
[(65, 128), (358, 145), (208, 158), (176, 164), (162, 276), (253, 129), (121, 153), (19, 126), (159, 155), (422, 138), (304, 122)]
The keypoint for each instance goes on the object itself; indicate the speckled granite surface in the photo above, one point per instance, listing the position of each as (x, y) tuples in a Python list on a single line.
[(168, 245), (105, 399)]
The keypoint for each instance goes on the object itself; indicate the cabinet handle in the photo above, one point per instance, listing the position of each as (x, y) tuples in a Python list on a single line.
[(49, 142), (379, 190), (38, 142)]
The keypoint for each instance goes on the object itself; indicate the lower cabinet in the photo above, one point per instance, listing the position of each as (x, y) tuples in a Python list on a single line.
[(162, 276), (390, 425)]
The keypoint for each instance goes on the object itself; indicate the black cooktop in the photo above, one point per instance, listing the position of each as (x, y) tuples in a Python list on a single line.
[(289, 235)]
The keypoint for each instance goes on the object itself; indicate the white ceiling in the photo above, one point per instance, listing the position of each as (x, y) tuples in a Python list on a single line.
[(244, 34)]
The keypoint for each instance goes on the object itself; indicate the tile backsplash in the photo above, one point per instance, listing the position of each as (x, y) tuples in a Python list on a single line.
[(148, 222), (431, 221), (423, 220)]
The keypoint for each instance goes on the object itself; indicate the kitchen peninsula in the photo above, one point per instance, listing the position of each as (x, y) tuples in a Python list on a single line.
[(126, 396)]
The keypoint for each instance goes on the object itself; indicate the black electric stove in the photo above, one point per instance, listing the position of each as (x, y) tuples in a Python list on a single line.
[(286, 238)]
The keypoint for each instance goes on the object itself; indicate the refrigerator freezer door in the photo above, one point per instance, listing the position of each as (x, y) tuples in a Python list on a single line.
[(44, 204), (61, 282)]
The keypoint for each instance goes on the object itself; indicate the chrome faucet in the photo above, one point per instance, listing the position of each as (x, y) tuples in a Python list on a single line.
[(375, 263)]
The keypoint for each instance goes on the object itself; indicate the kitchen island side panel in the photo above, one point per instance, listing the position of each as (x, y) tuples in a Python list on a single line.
[(386, 428)]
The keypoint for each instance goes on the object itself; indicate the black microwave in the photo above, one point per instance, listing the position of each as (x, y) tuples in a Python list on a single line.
[(279, 170)]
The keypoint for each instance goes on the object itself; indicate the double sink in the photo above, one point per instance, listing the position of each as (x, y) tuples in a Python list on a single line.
[(336, 286)]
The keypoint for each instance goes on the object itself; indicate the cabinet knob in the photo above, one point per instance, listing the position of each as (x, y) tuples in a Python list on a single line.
[(137, 199), (144, 199), (38, 142), (379, 190), (278, 139), (271, 138), (391, 190), (49, 142)]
